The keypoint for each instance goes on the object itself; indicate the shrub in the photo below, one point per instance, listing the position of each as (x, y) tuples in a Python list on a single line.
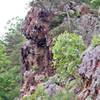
[(96, 40), (67, 50), (40, 94)]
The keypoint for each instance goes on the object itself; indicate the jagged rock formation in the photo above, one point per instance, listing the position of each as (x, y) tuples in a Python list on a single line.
[(36, 53), (90, 73)]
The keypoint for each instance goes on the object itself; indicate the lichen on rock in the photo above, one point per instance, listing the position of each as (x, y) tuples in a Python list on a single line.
[(90, 73)]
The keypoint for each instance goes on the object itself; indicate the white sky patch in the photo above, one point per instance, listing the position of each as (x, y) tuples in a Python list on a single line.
[(10, 9)]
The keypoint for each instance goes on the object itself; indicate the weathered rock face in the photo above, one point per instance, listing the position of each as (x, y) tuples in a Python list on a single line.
[(36, 53), (86, 23), (80, 19), (87, 26), (90, 72)]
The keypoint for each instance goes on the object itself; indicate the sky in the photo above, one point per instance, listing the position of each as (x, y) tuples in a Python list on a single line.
[(10, 9)]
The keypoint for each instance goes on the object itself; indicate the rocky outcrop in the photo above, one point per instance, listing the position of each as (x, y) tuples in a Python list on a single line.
[(36, 52), (80, 19), (90, 73), (87, 26)]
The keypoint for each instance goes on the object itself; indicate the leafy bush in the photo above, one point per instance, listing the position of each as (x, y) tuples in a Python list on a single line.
[(96, 40), (95, 3), (40, 94), (67, 50)]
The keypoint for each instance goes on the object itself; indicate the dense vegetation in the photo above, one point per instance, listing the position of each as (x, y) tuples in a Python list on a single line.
[(10, 77)]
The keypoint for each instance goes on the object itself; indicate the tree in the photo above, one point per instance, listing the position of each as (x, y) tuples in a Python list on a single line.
[(3, 58), (9, 60), (14, 40)]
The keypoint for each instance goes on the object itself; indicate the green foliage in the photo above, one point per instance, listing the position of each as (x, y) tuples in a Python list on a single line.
[(3, 58), (9, 83), (40, 94), (4, 62), (95, 3), (14, 40), (65, 96), (96, 40), (9, 77), (67, 51), (9, 61)]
